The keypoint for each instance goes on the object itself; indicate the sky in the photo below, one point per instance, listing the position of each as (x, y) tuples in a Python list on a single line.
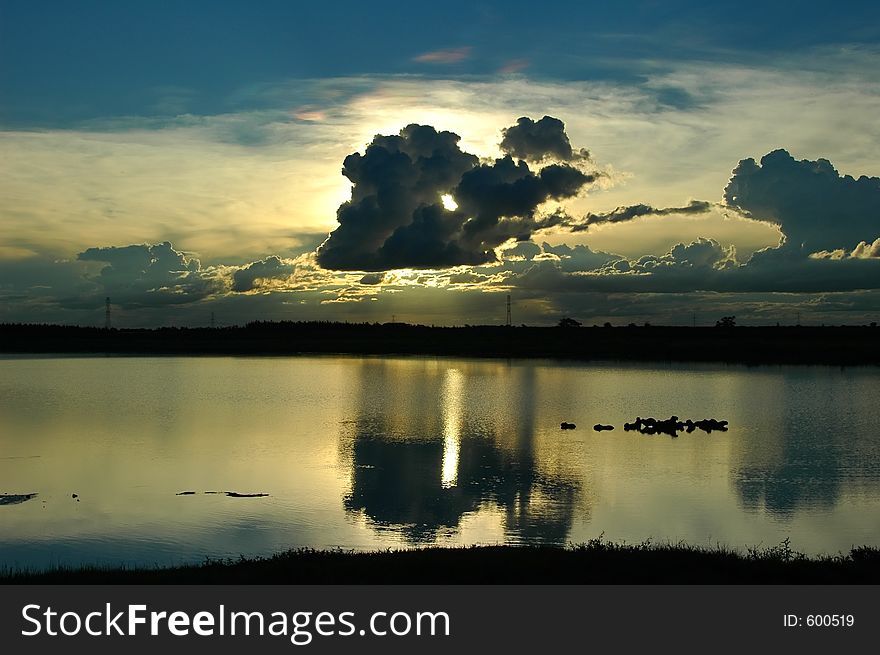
[(663, 162)]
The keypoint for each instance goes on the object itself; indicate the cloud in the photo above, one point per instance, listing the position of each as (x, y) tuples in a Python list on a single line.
[(396, 219), (467, 277), (514, 66), (143, 260), (447, 56), (372, 278), (866, 250), (271, 268), (579, 258), (700, 254), (537, 140), (622, 214), (703, 265), (862, 251), (815, 207), (176, 179), (686, 267), (151, 274), (310, 114), (179, 179)]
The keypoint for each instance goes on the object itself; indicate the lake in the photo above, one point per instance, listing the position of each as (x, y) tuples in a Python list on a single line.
[(369, 453)]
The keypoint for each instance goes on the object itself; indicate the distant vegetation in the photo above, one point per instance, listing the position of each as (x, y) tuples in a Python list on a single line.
[(595, 562), (751, 345)]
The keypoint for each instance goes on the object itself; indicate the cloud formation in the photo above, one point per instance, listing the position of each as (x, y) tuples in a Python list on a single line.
[(814, 206), (396, 219), (537, 140), (270, 268), (446, 56), (703, 265), (622, 214), (151, 274), (863, 250)]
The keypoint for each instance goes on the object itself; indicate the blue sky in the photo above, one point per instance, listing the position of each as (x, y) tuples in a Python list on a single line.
[(185, 158), (66, 61)]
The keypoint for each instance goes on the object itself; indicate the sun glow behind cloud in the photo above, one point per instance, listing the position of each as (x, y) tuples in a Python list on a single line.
[(238, 188), (262, 178), (449, 203)]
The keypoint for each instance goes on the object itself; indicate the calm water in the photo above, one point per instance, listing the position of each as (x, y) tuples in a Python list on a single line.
[(371, 453)]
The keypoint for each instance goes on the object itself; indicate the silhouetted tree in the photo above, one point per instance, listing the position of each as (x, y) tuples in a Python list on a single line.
[(566, 322), (726, 322)]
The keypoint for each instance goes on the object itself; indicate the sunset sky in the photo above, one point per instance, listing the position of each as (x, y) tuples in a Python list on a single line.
[(623, 162)]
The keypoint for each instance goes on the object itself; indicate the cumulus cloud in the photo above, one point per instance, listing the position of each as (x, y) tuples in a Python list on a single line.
[(814, 206), (866, 250), (686, 267), (700, 254), (537, 140), (863, 250), (145, 274), (144, 260), (578, 258), (523, 250), (271, 268), (396, 219)]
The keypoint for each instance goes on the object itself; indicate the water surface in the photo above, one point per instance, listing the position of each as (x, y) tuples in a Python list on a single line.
[(369, 453)]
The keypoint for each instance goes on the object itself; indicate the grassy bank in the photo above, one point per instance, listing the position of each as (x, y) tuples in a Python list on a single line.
[(594, 562)]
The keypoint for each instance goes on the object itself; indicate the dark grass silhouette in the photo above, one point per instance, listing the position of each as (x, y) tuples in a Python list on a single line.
[(844, 345), (595, 562)]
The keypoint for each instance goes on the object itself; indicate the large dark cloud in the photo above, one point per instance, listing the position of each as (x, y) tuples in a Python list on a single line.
[(815, 207), (537, 140), (395, 218)]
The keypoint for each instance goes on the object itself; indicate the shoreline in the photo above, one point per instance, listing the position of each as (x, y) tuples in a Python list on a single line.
[(835, 346), (595, 562)]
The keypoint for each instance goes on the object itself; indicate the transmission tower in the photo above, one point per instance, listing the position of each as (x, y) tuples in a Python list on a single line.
[(107, 323), (508, 310)]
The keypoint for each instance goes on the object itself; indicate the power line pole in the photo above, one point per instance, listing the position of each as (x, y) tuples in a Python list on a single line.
[(508, 310), (107, 323), (212, 320)]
